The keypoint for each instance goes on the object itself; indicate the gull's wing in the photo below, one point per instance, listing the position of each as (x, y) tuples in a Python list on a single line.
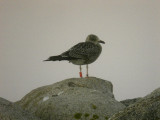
[(83, 50)]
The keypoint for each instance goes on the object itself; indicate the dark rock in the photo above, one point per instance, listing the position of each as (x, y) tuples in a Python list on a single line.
[(147, 108)]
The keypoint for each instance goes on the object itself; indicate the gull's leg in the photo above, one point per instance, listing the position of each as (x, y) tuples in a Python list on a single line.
[(87, 70), (80, 73)]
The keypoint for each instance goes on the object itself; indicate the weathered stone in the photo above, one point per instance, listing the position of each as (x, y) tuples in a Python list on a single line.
[(130, 101), (10, 111), (147, 108), (71, 99)]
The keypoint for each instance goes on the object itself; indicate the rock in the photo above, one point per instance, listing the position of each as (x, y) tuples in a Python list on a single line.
[(147, 108), (10, 111), (130, 101), (77, 98)]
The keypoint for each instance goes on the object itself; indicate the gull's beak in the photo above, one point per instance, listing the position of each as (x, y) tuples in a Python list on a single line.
[(100, 41)]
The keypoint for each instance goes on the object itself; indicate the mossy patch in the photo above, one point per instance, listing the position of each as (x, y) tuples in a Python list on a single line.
[(86, 115), (94, 106), (95, 116), (106, 118), (77, 115)]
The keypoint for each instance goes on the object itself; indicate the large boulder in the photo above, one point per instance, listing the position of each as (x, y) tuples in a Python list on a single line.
[(77, 98), (147, 108), (10, 111)]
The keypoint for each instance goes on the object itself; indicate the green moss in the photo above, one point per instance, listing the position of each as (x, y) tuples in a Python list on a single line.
[(95, 116), (106, 118), (92, 119), (77, 115), (94, 106), (86, 115)]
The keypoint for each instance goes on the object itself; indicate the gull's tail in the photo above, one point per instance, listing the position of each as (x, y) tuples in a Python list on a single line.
[(59, 58)]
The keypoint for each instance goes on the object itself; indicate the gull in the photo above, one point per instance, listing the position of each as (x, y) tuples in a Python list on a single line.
[(83, 53)]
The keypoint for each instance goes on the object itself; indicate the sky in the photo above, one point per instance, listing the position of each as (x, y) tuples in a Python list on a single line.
[(33, 30)]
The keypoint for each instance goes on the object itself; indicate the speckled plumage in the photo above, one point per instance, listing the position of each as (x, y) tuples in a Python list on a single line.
[(85, 52)]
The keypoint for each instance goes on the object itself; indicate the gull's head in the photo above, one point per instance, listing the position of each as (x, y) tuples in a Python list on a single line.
[(94, 39)]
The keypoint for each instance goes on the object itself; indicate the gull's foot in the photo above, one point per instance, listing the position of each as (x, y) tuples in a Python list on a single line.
[(87, 76)]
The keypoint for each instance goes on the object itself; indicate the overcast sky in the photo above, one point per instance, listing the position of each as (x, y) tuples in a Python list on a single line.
[(33, 30)]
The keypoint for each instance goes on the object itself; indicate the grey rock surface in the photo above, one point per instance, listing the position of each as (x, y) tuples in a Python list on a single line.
[(71, 99), (130, 101), (10, 111), (147, 108)]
